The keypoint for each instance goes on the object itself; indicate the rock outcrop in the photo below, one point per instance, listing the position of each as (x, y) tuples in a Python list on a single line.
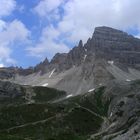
[(109, 54), (104, 113), (102, 98)]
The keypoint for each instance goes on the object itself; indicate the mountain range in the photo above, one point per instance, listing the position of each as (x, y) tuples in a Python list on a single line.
[(110, 54), (89, 93)]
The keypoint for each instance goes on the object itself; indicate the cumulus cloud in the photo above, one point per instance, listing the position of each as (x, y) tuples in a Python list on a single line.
[(6, 7), (46, 6), (9, 33), (2, 25), (14, 30), (137, 36), (1, 65), (48, 44), (79, 19)]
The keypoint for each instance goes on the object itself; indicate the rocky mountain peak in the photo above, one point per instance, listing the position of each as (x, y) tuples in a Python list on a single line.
[(41, 66), (108, 33), (106, 43), (107, 29), (116, 45), (80, 43), (46, 61), (110, 54), (58, 58)]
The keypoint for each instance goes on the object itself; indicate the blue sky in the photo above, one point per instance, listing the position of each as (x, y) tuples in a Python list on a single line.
[(31, 30)]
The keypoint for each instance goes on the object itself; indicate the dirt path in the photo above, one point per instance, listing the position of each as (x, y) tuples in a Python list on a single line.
[(31, 123), (90, 111)]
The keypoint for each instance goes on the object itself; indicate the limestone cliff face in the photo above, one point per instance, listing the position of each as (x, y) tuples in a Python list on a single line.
[(109, 54), (116, 45), (106, 43), (104, 76)]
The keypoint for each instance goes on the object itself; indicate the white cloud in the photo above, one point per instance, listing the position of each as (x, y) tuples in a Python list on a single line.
[(9, 33), (47, 48), (2, 25), (14, 30), (48, 45), (6, 7), (81, 17), (79, 20), (1, 65), (46, 6), (137, 36)]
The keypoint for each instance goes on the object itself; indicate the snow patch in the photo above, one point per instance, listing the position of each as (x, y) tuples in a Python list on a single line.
[(128, 80), (45, 85), (111, 114), (91, 90), (110, 62), (51, 73), (68, 96), (85, 50), (100, 84), (85, 56), (25, 84)]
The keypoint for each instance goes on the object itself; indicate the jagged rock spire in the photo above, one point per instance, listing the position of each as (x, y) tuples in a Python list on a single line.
[(80, 43), (46, 61)]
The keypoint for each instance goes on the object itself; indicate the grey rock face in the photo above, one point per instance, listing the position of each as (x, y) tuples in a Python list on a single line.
[(42, 66), (123, 117), (108, 55), (75, 56), (58, 62), (6, 73), (112, 44), (63, 61), (106, 43), (9, 92), (110, 58)]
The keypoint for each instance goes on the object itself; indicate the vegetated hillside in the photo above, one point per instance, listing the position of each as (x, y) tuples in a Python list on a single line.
[(108, 112), (67, 119), (11, 93), (102, 98)]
